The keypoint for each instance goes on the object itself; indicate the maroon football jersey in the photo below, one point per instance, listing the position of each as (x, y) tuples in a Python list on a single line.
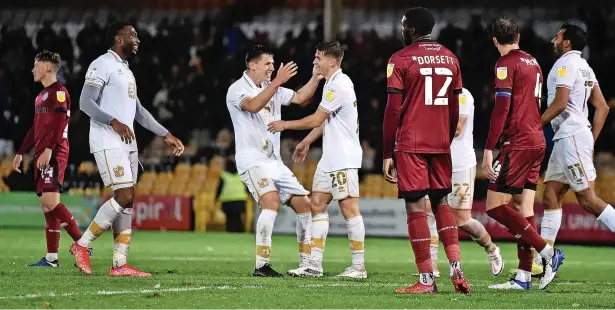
[(518, 74), (51, 109), (428, 75)]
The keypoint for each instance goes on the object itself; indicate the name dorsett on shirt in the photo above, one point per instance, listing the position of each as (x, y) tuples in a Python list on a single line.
[(118, 98), (573, 72), (254, 144)]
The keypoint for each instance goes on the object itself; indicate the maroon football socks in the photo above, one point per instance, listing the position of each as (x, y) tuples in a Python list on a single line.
[(448, 232), (67, 220), (518, 225), (420, 240)]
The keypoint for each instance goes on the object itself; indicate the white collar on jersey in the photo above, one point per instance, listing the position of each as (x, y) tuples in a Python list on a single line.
[(249, 80), (571, 53), (334, 74), (117, 57)]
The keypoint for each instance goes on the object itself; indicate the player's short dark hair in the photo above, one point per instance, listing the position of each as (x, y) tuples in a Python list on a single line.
[(256, 51), (505, 30), (49, 56), (332, 49), (576, 34), (421, 19), (113, 30)]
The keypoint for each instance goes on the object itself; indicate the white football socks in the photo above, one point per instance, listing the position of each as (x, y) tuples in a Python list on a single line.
[(320, 229), (356, 238), (264, 229), (107, 213), (304, 237), (551, 223), (435, 240), (122, 234), (50, 257), (607, 217)]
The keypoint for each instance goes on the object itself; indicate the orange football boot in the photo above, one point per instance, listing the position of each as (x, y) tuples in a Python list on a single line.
[(419, 288), (82, 258), (128, 271), (460, 283)]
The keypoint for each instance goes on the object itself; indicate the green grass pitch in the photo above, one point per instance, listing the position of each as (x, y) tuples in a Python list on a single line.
[(211, 270)]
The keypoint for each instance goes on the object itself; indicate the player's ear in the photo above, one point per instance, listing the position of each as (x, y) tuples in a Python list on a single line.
[(495, 41)]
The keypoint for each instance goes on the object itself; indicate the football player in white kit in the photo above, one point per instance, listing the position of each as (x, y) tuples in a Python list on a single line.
[(571, 85), (254, 101), (109, 98), (464, 174), (336, 177)]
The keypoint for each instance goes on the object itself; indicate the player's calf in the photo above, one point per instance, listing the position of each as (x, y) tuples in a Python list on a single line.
[(592, 203)]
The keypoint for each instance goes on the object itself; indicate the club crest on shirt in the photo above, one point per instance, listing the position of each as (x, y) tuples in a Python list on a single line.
[(45, 96), (562, 71), (263, 182), (91, 73), (118, 171), (390, 68), (501, 72), (61, 96), (329, 94)]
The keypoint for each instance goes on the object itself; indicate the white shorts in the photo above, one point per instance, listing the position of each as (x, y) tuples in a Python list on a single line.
[(572, 161), (463, 189), (118, 167), (273, 177), (341, 184)]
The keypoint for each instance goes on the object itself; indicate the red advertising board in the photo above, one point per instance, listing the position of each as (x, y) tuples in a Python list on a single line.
[(162, 213), (578, 225)]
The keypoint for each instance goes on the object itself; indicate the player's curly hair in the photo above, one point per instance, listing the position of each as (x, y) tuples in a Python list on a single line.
[(332, 49), (421, 19), (113, 30), (256, 51), (505, 30), (49, 56), (575, 33)]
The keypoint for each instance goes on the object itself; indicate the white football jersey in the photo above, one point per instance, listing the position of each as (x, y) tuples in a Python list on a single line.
[(573, 72), (253, 142), (118, 98), (462, 148), (341, 145)]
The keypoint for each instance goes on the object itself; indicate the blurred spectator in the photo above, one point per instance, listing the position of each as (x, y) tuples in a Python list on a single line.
[(233, 197)]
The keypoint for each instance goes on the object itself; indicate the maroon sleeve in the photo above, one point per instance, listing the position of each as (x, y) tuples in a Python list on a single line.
[(395, 76), (503, 91), (27, 143), (390, 124), (61, 104)]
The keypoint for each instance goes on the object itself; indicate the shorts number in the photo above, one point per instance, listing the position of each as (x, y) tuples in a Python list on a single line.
[(427, 73), (340, 177), (462, 189), (538, 89), (573, 169)]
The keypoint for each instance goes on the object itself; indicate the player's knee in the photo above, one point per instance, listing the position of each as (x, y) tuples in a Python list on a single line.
[(301, 204), (49, 201), (349, 207), (270, 201), (125, 197)]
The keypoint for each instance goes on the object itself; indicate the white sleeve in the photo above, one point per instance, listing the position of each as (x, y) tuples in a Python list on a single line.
[(565, 75), (332, 99), (284, 95), (235, 96), (466, 102), (98, 74)]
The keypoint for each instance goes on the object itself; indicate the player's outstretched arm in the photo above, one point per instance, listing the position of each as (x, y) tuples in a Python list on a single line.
[(145, 119), (257, 103), (460, 125), (602, 110), (557, 106), (306, 92), (303, 147), (312, 121)]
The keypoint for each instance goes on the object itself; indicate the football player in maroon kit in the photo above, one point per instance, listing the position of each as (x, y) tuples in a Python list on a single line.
[(48, 136), (516, 130), (423, 86)]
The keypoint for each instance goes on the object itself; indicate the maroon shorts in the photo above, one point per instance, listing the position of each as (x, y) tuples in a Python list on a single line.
[(50, 179), (517, 170), (423, 174)]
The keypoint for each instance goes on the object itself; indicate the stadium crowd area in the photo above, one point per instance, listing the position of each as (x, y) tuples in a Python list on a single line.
[(185, 65)]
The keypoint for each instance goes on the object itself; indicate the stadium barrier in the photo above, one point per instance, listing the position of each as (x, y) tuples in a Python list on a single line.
[(387, 218)]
